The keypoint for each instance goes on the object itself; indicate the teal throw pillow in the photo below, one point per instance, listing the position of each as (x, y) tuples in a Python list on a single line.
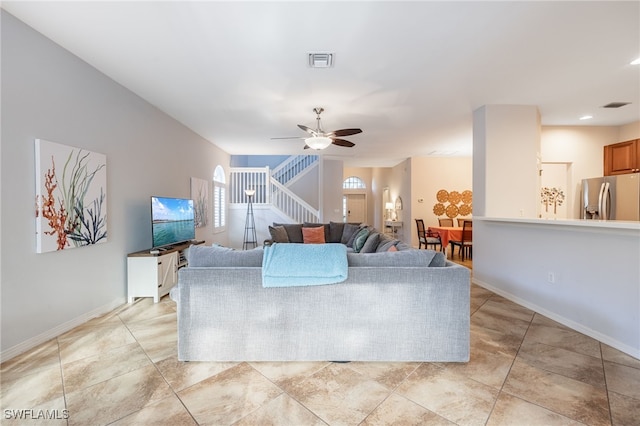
[(361, 238)]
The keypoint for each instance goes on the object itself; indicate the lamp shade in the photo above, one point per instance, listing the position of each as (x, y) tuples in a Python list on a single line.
[(318, 142), (250, 192), (388, 206)]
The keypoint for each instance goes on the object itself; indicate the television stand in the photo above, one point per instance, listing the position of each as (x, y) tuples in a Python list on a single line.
[(153, 272)]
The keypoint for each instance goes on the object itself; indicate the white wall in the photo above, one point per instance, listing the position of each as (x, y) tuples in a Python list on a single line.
[(331, 190), (307, 186), (50, 94), (380, 178), (582, 147), (264, 216), (629, 131), (506, 144)]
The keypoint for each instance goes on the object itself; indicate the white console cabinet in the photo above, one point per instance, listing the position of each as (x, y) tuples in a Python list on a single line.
[(153, 275)]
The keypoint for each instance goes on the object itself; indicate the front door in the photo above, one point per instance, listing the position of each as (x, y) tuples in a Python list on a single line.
[(356, 208)]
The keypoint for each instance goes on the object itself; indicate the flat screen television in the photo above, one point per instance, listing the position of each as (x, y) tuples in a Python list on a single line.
[(172, 220)]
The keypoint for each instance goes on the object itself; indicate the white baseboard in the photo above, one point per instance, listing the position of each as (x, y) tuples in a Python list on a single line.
[(58, 330), (634, 352)]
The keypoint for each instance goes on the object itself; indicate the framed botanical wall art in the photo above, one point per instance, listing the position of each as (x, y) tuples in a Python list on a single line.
[(71, 197), (200, 196)]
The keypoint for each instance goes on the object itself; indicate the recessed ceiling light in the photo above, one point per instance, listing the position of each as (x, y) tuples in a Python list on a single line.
[(586, 117), (636, 62), (320, 60)]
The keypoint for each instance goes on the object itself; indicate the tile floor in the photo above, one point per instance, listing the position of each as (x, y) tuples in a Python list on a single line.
[(121, 369)]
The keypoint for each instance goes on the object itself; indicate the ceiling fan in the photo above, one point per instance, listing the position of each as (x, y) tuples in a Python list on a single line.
[(320, 139)]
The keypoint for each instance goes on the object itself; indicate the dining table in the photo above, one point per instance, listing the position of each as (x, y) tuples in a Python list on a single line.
[(447, 233)]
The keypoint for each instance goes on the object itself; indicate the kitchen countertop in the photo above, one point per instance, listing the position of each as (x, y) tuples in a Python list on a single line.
[(577, 223)]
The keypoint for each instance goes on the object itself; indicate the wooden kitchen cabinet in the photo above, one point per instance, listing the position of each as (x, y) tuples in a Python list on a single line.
[(622, 158)]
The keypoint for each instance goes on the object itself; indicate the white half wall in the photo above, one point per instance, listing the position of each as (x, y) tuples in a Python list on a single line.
[(596, 288)]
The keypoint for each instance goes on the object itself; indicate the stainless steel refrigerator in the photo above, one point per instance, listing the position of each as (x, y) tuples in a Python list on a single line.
[(611, 197)]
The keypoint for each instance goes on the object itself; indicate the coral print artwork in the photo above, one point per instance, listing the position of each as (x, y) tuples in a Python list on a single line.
[(71, 197)]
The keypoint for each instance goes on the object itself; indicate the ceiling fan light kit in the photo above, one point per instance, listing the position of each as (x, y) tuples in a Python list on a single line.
[(320, 139), (318, 142)]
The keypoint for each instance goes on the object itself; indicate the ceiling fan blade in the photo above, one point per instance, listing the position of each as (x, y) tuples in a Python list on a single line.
[(342, 142), (289, 137), (306, 146), (346, 132), (308, 130)]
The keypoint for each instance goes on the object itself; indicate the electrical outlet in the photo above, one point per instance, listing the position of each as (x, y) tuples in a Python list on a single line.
[(551, 277)]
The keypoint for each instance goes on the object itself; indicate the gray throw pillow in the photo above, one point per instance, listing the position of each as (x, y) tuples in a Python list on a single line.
[(278, 234), (371, 244), (386, 244), (348, 234)]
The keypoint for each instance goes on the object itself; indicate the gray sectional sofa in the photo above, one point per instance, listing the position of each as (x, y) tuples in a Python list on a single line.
[(393, 306)]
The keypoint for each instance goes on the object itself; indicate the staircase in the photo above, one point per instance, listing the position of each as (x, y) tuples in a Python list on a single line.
[(294, 168), (272, 187)]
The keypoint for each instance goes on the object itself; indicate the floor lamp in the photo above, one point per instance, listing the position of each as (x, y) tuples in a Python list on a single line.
[(250, 224)]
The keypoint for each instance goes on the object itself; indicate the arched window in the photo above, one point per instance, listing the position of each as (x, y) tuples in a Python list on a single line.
[(219, 200), (353, 182)]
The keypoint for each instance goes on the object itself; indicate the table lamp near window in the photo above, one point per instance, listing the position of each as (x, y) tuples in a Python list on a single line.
[(389, 207)]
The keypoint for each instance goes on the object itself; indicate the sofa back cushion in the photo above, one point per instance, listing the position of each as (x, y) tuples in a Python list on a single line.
[(349, 233), (385, 243), (371, 244), (335, 232), (218, 256), (278, 234), (294, 231), (404, 258)]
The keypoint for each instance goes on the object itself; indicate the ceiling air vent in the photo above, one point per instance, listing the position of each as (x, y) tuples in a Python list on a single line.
[(615, 104), (320, 60)]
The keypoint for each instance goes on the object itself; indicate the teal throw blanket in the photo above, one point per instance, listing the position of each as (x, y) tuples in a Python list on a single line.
[(290, 264)]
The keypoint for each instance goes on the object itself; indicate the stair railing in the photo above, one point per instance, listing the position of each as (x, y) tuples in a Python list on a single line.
[(243, 178), (269, 191), (292, 205), (293, 167)]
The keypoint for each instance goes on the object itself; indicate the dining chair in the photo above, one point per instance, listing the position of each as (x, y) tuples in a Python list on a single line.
[(427, 237), (465, 244), (461, 221), (445, 221)]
